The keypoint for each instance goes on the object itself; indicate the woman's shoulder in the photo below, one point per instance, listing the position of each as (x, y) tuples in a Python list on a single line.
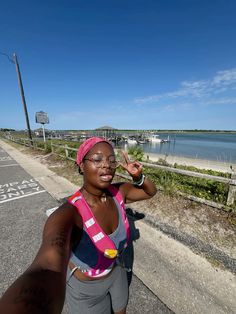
[(122, 187), (67, 212)]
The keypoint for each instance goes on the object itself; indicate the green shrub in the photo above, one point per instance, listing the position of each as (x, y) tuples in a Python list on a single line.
[(203, 188), (136, 152), (163, 162), (46, 146)]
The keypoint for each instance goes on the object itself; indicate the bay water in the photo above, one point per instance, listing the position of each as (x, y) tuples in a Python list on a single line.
[(210, 146)]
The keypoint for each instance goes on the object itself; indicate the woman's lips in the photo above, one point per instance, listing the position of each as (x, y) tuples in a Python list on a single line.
[(106, 177)]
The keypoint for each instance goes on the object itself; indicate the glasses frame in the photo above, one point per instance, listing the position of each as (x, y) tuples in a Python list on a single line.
[(99, 164)]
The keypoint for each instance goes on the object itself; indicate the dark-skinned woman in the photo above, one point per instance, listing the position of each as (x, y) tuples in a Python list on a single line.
[(83, 241)]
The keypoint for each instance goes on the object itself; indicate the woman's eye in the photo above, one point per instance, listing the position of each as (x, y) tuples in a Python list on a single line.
[(97, 159)]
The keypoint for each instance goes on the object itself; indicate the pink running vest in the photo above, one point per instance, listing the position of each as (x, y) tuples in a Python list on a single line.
[(101, 241)]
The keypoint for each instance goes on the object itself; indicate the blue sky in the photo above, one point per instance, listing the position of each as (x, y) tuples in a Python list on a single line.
[(130, 64)]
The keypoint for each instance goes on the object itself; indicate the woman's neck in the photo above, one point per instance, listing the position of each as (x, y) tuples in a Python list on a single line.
[(100, 195)]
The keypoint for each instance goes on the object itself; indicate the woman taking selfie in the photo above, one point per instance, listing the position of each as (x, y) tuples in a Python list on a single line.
[(83, 242)]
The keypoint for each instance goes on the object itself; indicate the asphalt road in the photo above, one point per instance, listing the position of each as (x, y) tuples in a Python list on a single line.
[(23, 206), (23, 202)]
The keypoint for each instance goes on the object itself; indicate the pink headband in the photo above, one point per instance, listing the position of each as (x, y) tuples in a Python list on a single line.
[(87, 145)]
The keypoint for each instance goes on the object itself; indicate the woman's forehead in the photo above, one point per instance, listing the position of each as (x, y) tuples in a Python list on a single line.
[(101, 148)]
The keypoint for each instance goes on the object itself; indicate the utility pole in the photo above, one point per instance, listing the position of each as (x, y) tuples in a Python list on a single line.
[(22, 96)]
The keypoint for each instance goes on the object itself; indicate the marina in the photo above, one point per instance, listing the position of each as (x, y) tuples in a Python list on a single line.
[(218, 147), (214, 146)]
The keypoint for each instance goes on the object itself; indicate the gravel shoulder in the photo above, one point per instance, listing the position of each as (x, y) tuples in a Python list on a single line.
[(208, 231)]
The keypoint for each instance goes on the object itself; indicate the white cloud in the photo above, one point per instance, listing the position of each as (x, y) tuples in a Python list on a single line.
[(177, 107), (224, 78), (221, 82), (148, 99), (222, 101)]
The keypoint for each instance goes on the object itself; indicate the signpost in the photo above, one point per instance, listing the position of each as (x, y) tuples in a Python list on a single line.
[(42, 117)]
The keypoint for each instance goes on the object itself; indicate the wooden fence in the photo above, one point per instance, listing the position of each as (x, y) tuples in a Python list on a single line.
[(231, 182)]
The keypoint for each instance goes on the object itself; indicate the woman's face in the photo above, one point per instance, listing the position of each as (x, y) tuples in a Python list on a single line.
[(98, 166)]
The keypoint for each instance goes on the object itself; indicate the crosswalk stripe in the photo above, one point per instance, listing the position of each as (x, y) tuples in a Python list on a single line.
[(15, 198), (9, 165)]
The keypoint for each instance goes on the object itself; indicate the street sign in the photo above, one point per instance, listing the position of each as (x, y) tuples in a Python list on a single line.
[(41, 117)]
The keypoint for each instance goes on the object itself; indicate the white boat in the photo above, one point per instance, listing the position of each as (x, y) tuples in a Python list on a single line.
[(154, 138), (141, 141), (167, 140), (131, 141)]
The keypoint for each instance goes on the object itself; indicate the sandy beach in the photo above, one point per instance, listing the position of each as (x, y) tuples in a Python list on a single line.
[(198, 163)]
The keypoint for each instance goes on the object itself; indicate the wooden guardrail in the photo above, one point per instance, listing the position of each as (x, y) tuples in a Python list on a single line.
[(66, 149), (229, 181)]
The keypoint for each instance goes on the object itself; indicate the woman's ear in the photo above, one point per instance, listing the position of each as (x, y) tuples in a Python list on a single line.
[(81, 168)]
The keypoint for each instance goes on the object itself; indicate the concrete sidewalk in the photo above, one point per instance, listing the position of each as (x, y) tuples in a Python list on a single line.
[(184, 281), (57, 186)]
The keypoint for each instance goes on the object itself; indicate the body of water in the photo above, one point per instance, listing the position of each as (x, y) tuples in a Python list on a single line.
[(210, 146)]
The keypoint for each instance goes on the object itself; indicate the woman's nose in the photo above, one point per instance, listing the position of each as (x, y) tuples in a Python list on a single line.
[(105, 163)]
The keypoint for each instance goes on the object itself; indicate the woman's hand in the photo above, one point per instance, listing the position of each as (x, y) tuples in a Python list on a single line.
[(134, 168), (130, 191)]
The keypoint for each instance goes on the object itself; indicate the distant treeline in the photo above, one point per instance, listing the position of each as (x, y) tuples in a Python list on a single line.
[(154, 130), (137, 130), (5, 130), (181, 131)]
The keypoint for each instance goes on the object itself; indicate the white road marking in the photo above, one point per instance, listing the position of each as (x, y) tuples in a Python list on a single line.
[(15, 198), (9, 165), (4, 158), (50, 211)]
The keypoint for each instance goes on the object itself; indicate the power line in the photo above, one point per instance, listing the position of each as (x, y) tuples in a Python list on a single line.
[(6, 55)]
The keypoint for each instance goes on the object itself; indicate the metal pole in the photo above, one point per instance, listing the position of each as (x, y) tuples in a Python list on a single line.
[(43, 133), (22, 96)]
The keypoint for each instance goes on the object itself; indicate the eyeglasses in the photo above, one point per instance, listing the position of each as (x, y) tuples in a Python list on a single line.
[(99, 160)]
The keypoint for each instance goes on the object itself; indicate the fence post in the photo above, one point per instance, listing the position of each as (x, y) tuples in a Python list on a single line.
[(66, 151), (232, 190)]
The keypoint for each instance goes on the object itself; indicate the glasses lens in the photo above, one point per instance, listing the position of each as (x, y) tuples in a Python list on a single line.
[(98, 161), (112, 162)]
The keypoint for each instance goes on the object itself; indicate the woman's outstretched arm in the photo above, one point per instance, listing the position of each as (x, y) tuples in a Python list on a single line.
[(41, 288)]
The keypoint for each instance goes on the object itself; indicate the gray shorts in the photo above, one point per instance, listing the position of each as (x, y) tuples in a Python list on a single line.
[(98, 296)]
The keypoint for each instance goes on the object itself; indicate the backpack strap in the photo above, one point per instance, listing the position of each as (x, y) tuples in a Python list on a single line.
[(116, 193)]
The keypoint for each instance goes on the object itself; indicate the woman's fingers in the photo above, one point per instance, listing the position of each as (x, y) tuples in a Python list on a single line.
[(137, 164), (126, 157), (132, 167)]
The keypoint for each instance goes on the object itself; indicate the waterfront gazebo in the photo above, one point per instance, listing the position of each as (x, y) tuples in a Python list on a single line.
[(105, 131)]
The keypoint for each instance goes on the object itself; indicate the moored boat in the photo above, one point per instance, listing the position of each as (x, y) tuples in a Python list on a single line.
[(167, 140), (131, 140), (141, 141), (154, 138)]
